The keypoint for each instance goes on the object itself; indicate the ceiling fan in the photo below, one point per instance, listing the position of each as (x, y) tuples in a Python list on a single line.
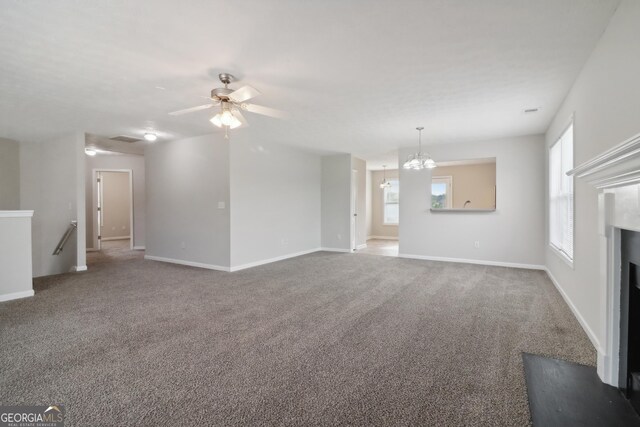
[(231, 102)]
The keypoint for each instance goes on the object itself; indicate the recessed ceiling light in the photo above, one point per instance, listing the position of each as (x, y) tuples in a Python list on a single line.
[(531, 110), (90, 152), (149, 136)]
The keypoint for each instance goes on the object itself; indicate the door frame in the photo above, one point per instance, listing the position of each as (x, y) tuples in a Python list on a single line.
[(94, 205)]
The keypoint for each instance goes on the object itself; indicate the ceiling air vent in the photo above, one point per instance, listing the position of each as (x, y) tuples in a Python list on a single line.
[(123, 138)]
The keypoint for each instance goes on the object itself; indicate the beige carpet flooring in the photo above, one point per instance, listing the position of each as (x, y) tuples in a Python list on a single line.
[(323, 339)]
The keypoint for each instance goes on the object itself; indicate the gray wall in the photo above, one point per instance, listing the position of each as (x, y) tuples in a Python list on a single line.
[(119, 161), (361, 202), (185, 181), (275, 200), (336, 201), (606, 102), (52, 185), (378, 228), (9, 175), (514, 233)]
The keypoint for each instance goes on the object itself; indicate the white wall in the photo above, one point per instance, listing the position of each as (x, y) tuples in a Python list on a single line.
[(9, 174), (378, 227), (360, 166), (513, 234), (606, 102), (336, 201), (275, 201), (369, 204), (52, 185), (119, 161), (185, 181), (15, 255)]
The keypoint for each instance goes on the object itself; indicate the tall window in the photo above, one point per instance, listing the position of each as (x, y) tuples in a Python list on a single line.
[(392, 203), (561, 194)]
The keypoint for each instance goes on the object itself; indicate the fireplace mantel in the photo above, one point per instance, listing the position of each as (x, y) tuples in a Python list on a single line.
[(619, 166), (616, 174)]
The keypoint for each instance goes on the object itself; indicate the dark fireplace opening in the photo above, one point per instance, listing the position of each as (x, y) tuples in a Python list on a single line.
[(629, 378)]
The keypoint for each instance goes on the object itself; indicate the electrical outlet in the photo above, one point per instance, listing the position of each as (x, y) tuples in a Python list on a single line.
[(339, 236), (476, 244), (183, 245), (221, 205), (284, 242)]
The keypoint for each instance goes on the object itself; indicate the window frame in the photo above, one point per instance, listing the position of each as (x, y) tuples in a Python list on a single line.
[(558, 251), (384, 203)]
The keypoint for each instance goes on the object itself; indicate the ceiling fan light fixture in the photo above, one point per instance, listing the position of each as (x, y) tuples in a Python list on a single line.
[(150, 136), (226, 118)]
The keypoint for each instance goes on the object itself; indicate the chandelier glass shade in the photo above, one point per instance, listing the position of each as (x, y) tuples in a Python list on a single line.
[(226, 118), (419, 160)]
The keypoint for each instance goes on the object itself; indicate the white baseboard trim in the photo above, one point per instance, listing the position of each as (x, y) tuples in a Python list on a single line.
[(334, 250), (189, 263), (270, 260), (76, 268), (578, 316), (106, 239), (139, 248), (382, 238), (474, 261), (362, 246), (16, 295)]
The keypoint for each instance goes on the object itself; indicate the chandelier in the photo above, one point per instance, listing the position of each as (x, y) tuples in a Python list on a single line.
[(419, 160), (385, 183)]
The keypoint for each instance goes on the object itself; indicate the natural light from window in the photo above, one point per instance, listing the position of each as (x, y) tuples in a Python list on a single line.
[(392, 203), (561, 194)]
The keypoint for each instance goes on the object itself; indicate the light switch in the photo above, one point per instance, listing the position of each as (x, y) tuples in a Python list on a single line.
[(221, 205)]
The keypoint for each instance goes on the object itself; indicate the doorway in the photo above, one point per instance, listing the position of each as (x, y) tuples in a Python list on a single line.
[(113, 208), (382, 211)]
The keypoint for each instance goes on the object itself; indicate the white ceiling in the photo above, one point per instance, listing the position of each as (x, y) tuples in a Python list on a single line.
[(356, 76)]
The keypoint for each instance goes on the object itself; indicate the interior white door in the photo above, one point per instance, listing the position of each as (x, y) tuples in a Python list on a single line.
[(354, 210)]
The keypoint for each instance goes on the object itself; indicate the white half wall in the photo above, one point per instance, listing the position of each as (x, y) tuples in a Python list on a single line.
[(513, 234), (15, 255), (52, 185), (187, 193), (605, 102), (119, 161), (9, 174), (275, 201), (336, 201)]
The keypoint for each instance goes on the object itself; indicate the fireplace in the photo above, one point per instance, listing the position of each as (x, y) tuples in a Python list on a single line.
[(629, 364), (615, 173)]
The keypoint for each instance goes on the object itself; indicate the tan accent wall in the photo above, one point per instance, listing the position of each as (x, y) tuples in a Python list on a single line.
[(116, 205), (471, 182)]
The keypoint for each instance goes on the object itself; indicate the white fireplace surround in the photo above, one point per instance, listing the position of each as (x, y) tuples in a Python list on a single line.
[(616, 174)]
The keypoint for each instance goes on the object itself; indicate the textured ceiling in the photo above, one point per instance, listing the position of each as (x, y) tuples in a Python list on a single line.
[(356, 76)]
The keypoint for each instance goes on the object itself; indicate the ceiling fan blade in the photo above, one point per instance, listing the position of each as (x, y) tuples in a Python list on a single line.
[(191, 110), (244, 93), (265, 111)]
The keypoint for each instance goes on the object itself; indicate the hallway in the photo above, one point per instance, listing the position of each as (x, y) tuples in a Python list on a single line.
[(112, 251), (380, 247)]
